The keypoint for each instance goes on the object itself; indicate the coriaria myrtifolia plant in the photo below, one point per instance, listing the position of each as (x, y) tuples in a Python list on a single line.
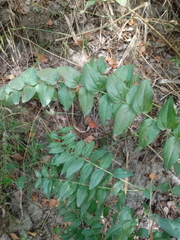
[(80, 176)]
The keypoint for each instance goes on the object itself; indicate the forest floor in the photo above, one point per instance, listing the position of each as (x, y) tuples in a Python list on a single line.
[(53, 33)]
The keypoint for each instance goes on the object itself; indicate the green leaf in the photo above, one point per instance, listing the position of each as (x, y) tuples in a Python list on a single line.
[(38, 182), (88, 149), (56, 147), (76, 223), (123, 118), (121, 173), (62, 158), (80, 147), (30, 76), (122, 2), (75, 166), (114, 230), (48, 76), (167, 118), (125, 73), (69, 138), (96, 177), (176, 130), (131, 95), (105, 109), (17, 83), (177, 169), (116, 88), (97, 155), (101, 196), (99, 65), (66, 97), (106, 160), (121, 200), (28, 93), (47, 186), (64, 188), (143, 98), (38, 174), (45, 172), (89, 3), (70, 76), (164, 187), (147, 192), (85, 172), (16, 95), (81, 194), (176, 190), (20, 182), (117, 187), (86, 100), (148, 132), (45, 93), (171, 152), (91, 79), (169, 226), (143, 232)]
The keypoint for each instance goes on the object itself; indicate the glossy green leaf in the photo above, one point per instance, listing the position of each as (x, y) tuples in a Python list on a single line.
[(125, 73), (66, 97), (106, 160), (169, 226), (15, 96), (96, 178), (80, 147), (143, 98), (45, 93), (47, 187), (30, 76), (105, 109), (91, 79), (86, 100), (85, 172), (69, 75), (88, 149), (48, 76), (123, 118), (116, 88), (148, 131), (75, 166), (81, 194), (171, 152), (62, 158), (28, 93), (176, 130), (176, 190), (167, 118), (121, 173), (17, 83), (117, 187)]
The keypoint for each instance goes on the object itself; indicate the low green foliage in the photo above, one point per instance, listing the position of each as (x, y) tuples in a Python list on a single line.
[(79, 175)]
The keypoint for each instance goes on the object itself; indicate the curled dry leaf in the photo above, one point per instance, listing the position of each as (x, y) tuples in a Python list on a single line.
[(42, 58), (89, 139), (33, 234), (112, 62), (14, 236), (152, 176), (92, 124), (17, 157)]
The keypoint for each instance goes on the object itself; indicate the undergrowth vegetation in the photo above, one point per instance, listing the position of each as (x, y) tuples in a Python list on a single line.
[(80, 175)]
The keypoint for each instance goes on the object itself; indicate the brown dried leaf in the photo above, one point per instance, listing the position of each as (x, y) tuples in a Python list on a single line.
[(89, 139), (112, 62), (35, 197), (53, 203), (14, 236), (152, 176), (42, 58), (49, 22), (158, 59), (92, 124), (33, 234), (17, 157), (131, 22)]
